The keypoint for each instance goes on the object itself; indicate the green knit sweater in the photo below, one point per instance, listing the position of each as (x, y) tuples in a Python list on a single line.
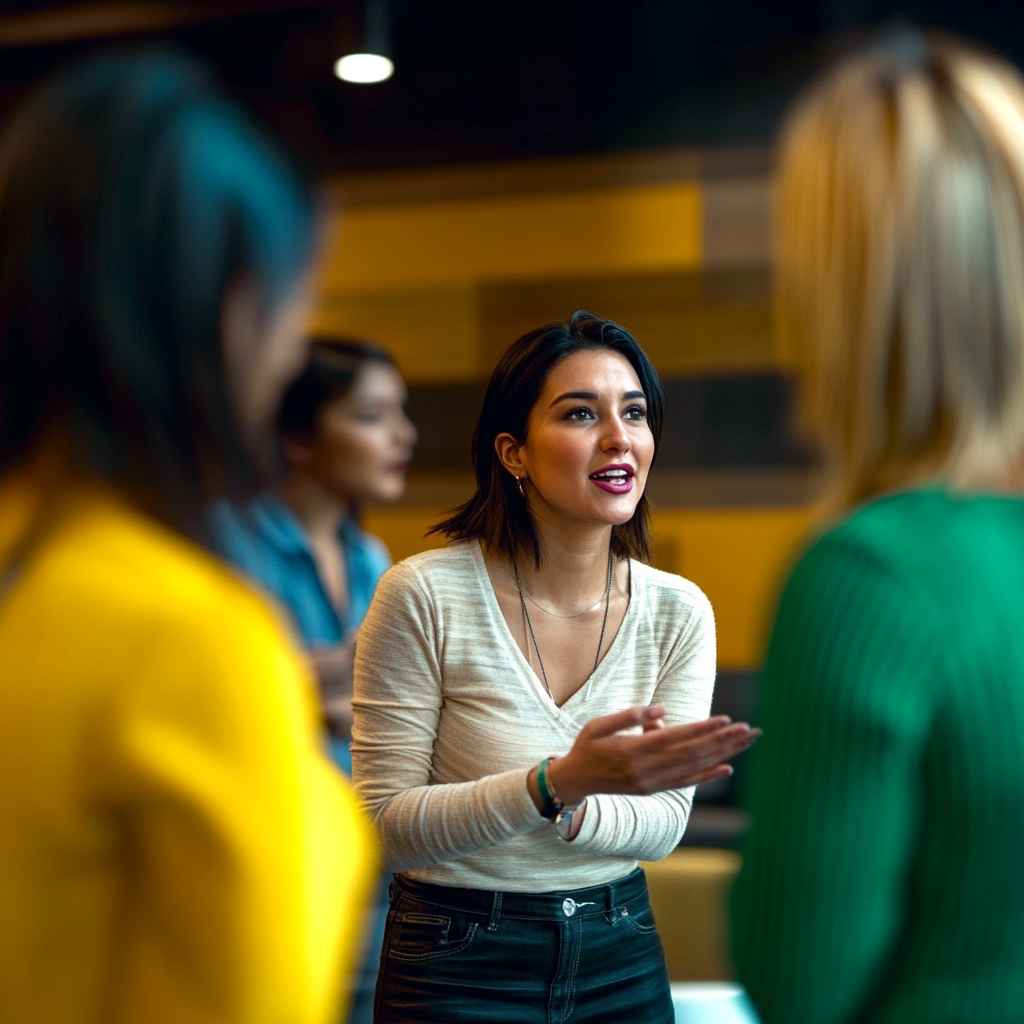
[(883, 879)]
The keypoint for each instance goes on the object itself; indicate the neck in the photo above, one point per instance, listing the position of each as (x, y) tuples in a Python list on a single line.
[(574, 564), (318, 510)]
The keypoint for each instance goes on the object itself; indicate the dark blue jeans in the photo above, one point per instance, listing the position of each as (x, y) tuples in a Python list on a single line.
[(522, 958)]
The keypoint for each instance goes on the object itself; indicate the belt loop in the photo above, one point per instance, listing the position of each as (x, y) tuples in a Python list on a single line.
[(492, 921), (610, 914)]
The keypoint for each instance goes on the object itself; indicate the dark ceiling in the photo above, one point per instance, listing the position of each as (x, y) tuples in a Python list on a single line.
[(487, 81)]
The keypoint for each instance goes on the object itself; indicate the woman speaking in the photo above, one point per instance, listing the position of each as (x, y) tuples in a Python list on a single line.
[(531, 707)]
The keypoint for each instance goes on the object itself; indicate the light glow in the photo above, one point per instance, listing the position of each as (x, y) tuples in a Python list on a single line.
[(363, 68)]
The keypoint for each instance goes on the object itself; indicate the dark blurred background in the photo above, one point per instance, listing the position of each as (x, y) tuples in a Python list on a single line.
[(495, 81)]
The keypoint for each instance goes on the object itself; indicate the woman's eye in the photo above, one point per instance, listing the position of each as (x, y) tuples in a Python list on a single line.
[(636, 412), (580, 413)]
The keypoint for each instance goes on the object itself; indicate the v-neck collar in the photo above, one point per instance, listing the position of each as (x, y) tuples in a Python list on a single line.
[(540, 691)]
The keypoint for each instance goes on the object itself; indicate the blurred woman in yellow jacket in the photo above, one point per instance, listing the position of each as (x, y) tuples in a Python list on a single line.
[(174, 847)]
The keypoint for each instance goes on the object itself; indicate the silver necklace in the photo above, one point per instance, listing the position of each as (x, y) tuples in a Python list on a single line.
[(561, 615), (533, 636)]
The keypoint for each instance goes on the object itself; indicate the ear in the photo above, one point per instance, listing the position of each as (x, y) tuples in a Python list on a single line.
[(511, 455)]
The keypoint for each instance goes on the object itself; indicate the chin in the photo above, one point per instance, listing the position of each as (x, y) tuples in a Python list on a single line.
[(619, 517), (621, 520), (387, 492)]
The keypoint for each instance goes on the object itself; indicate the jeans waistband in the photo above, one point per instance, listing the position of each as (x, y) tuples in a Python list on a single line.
[(604, 899)]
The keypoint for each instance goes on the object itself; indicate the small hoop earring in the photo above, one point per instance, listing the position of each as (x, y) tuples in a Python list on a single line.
[(521, 484)]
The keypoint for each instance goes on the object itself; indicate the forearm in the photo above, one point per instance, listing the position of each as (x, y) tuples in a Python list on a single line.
[(635, 827), (432, 824), (332, 667)]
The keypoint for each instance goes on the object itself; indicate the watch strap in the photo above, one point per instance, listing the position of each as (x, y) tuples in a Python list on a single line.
[(551, 805)]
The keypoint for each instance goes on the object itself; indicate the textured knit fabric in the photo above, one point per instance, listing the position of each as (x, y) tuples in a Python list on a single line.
[(270, 546), (450, 718), (175, 849), (882, 880)]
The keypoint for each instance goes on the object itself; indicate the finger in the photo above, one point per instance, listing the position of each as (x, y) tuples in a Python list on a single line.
[(681, 763), (720, 771), (654, 718), (680, 780), (608, 725), (714, 750), (725, 744), (676, 735)]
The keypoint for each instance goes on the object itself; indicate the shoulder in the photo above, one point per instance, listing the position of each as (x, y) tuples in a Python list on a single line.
[(440, 569), (134, 570), (247, 537), (891, 538), (376, 551), (670, 595), (369, 548), (159, 624), (427, 582), (880, 575), (678, 620)]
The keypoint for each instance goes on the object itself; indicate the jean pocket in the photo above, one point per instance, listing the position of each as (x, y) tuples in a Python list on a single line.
[(418, 936), (640, 918)]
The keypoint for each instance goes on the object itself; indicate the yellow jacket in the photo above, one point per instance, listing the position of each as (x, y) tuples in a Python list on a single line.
[(173, 848)]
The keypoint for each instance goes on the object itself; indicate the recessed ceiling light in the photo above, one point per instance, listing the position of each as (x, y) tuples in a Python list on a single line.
[(364, 68)]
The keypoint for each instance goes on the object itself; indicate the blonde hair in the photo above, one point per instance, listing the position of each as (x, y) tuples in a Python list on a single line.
[(901, 266)]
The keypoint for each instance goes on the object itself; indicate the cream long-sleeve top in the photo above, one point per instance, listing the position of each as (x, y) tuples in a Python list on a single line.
[(450, 718)]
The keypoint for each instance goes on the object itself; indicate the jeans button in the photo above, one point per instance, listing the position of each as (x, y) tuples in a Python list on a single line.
[(568, 907)]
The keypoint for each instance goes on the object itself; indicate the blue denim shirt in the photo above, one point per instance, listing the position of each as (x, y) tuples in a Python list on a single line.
[(267, 543)]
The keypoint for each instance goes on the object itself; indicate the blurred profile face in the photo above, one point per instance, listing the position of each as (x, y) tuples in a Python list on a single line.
[(364, 439), (263, 352), (588, 445)]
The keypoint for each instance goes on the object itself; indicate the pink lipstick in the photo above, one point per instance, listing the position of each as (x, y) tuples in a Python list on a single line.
[(615, 479)]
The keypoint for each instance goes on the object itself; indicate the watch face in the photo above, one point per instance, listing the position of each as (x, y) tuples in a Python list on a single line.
[(563, 822)]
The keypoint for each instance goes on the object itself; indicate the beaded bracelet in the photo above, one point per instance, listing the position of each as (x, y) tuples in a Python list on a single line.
[(552, 803)]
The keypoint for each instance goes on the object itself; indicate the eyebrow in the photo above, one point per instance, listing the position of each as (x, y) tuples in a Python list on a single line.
[(592, 396)]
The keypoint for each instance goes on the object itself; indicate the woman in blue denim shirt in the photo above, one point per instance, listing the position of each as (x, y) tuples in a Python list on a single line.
[(346, 440)]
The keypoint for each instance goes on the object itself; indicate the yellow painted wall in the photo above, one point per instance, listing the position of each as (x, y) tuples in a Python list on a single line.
[(434, 333), (738, 556), (440, 283), (461, 241)]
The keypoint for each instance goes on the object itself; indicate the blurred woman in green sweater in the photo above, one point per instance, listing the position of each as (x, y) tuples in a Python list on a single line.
[(882, 878)]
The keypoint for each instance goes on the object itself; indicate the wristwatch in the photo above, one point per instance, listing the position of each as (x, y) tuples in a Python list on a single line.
[(563, 820)]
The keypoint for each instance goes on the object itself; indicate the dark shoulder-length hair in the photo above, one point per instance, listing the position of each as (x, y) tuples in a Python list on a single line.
[(333, 363), (133, 197), (497, 514)]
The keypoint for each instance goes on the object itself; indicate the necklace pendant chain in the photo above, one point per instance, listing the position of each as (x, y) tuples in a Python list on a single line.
[(575, 615)]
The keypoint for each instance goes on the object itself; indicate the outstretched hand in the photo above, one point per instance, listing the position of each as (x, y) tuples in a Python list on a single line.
[(606, 759)]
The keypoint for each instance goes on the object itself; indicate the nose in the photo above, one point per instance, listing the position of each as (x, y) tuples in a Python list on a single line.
[(615, 437), (408, 431)]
